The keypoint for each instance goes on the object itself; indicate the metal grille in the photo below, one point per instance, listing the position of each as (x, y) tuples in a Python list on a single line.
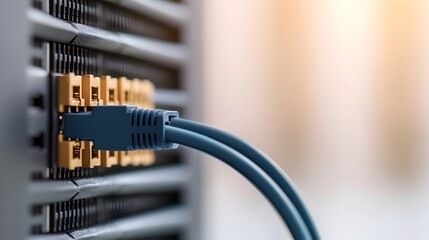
[(79, 11), (79, 213), (123, 20), (112, 17), (68, 58)]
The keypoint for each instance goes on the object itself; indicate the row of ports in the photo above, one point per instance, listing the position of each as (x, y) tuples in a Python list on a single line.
[(76, 91), (80, 93), (75, 153)]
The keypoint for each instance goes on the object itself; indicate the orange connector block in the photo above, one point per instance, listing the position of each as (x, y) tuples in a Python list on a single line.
[(69, 92), (91, 90), (109, 158), (109, 90), (124, 91), (69, 153)]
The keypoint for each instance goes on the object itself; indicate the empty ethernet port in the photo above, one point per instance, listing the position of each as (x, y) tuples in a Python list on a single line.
[(37, 141)]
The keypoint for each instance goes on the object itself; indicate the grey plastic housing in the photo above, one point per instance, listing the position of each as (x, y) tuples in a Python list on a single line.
[(120, 128)]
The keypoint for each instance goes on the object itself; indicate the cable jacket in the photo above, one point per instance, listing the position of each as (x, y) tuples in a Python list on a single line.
[(248, 169), (259, 158)]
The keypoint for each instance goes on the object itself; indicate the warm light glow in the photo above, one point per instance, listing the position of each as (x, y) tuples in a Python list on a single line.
[(337, 92)]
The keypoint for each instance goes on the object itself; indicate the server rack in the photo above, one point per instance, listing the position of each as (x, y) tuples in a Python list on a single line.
[(42, 39)]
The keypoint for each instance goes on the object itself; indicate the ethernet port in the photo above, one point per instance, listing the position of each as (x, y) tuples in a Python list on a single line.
[(69, 153), (91, 90), (109, 90), (69, 92), (124, 88)]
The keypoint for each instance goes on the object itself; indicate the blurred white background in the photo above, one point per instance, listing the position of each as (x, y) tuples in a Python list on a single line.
[(337, 91)]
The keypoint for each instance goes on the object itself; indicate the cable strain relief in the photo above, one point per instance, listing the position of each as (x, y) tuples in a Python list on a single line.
[(148, 128)]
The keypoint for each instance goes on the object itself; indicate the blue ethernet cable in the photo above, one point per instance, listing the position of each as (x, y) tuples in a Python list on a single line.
[(127, 128), (248, 169), (259, 158)]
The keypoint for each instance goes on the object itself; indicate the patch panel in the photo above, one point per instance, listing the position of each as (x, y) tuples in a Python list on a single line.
[(80, 93), (46, 69)]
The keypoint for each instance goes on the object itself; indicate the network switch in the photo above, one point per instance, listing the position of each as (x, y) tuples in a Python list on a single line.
[(50, 181)]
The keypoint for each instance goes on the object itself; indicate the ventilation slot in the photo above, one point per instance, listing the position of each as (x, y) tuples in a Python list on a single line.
[(38, 102), (38, 141), (66, 216)]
